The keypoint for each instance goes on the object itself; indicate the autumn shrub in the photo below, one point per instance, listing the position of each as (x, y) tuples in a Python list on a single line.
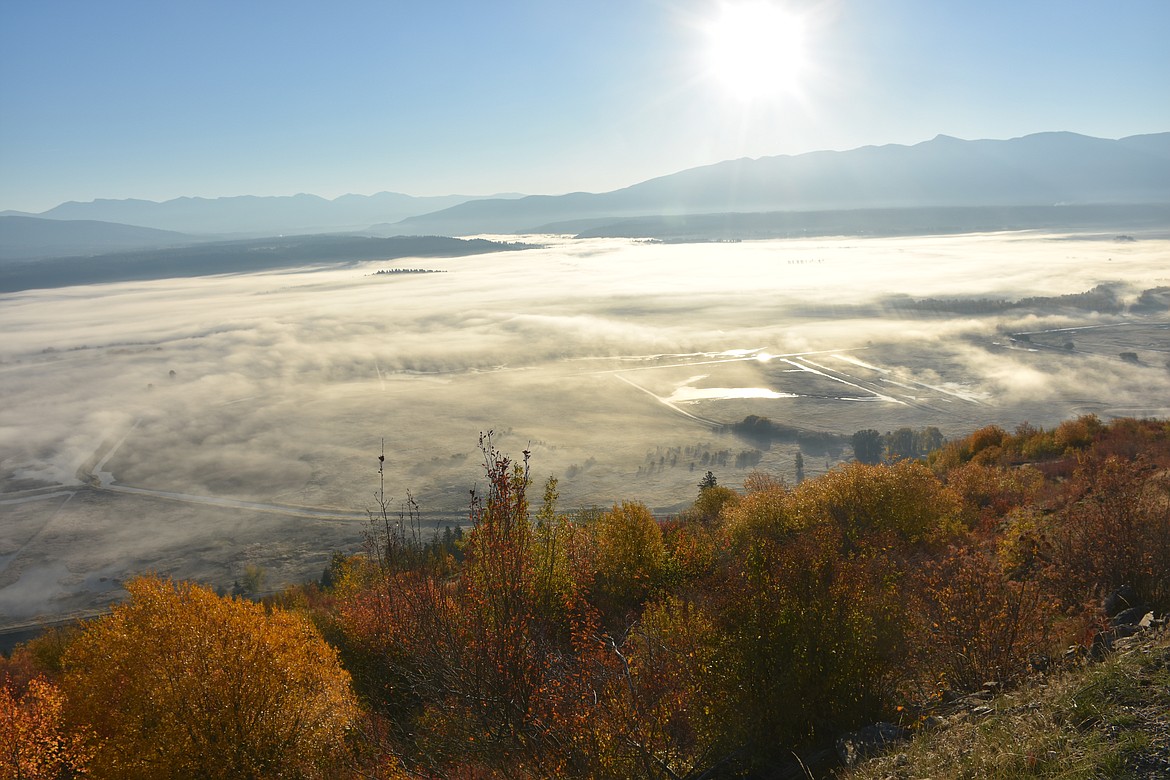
[(1115, 531), (1021, 544), (1128, 438), (1039, 445), (904, 498), (690, 550), (35, 741), (809, 639), (179, 682), (395, 638), (978, 624), (1076, 434), (629, 558), (808, 602), (45, 652), (984, 444), (563, 558), (761, 481), (487, 673), (498, 599), (711, 502), (988, 493), (765, 511), (656, 715)]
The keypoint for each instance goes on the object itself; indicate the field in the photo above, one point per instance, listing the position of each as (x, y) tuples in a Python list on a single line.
[(195, 427)]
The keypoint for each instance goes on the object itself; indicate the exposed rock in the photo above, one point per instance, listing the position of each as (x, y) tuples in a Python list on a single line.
[(1131, 617), (1120, 600), (1129, 623), (933, 722)]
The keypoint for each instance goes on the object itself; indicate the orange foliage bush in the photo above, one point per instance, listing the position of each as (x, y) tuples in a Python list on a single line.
[(1076, 434), (179, 682), (481, 675), (984, 444), (35, 742)]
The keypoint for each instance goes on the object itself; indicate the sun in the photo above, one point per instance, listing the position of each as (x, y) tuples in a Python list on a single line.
[(756, 49)]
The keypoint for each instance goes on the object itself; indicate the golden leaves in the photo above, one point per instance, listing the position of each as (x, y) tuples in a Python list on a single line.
[(181, 681)]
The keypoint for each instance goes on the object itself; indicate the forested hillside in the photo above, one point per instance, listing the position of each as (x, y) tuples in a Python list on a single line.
[(742, 637)]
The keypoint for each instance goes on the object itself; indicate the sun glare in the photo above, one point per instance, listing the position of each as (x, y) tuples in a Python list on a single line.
[(756, 49)]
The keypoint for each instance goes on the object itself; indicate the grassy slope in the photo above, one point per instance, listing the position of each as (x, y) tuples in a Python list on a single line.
[(1103, 720)]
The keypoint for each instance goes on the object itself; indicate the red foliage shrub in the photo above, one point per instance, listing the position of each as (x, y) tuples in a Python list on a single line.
[(977, 624), (990, 492), (1115, 531)]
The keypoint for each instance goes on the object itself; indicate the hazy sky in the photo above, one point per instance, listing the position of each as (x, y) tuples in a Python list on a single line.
[(155, 100)]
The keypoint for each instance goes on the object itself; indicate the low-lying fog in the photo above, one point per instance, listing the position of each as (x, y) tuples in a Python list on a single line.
[(177, 425)]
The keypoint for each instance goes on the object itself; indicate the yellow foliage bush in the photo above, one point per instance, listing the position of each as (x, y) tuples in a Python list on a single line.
[(179, 682), (904, 498), (629, 555)]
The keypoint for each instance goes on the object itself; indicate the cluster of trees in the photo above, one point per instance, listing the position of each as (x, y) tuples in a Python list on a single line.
[(605, 643), (701, 456), (765, 431), (870, 446), (1103, 298)]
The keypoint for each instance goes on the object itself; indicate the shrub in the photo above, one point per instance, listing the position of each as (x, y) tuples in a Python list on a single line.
[(811, 640), (35, 742), (1116, 533), (711, 502), (980, 625), (990, 492), (904, 498), (181, 682), (629, 558)]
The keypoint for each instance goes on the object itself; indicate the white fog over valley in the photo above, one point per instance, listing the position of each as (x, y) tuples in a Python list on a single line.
[(196, 427)]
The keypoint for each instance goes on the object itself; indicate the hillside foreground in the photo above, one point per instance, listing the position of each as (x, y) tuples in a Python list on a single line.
[(745, 637), (1108, 717)]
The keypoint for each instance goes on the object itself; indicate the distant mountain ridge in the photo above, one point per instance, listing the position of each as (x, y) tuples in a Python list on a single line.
[(254, 216), (28, 238), (1043, 169), (1039, 170)]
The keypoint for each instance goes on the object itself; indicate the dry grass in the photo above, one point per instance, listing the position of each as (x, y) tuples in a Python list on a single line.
[(1106, 720)]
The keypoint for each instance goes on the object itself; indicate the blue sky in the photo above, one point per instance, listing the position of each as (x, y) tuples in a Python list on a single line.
[(157, 100)]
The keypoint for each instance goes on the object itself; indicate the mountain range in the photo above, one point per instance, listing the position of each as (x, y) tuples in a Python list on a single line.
[(251, 216), (944, 184), (1045, 169), (36, 237)]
